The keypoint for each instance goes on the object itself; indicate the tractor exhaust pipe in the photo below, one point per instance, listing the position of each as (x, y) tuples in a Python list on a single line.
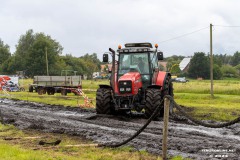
[(113, 69)]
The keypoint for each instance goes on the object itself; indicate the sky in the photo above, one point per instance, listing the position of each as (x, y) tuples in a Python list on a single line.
[(179, 27)]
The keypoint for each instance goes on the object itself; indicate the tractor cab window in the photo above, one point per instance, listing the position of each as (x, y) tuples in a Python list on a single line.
[(133, 62), (154, 61)]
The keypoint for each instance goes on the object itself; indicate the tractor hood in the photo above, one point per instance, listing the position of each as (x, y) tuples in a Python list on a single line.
[(130, 76), (129, 83)]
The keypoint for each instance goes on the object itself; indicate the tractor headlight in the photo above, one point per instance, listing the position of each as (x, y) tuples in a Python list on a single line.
[(122, 89), (128, 89), (125, 86)]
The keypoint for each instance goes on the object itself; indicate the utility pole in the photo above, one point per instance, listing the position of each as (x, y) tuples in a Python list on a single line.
[(211, 61), (46, 60)]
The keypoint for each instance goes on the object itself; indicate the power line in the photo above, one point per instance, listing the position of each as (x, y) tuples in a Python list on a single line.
[(184, 35), (225, 26)]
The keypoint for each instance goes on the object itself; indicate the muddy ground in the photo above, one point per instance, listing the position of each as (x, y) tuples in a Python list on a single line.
[(185, 139)]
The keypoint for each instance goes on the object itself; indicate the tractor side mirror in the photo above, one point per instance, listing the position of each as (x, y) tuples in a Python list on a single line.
[(105, 57), (160, 55)]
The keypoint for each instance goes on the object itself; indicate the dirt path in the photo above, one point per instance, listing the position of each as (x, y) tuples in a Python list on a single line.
[(184, 139)]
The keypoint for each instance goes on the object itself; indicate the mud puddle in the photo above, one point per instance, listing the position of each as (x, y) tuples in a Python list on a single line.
[(186, 140)]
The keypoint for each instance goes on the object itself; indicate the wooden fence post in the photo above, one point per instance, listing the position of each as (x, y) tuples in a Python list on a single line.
[(165, 128)]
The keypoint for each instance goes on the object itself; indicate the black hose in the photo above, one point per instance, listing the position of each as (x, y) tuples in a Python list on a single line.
[(137, 133), (1, 118), (181, 111), (179, 108)]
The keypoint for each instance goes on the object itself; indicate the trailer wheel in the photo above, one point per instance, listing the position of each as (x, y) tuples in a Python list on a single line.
[(104, 103), (41, 91), (63, 92), (50, 91), (30, 89), (153, 100)]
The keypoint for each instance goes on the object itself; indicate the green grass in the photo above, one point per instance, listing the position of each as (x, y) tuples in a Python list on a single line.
[(28, 149), (226, 87), (220, 108), (195, 94)]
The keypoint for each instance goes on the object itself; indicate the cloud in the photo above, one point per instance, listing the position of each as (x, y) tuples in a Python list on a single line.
[(94, 26)]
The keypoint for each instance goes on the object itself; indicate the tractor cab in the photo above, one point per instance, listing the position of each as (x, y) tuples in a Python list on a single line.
[(138, 57)]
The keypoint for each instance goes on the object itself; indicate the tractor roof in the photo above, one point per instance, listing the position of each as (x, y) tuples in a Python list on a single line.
[(129, 45), (136, 47)]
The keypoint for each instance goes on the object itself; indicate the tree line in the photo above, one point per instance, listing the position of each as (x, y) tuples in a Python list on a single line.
[(34, 50), (199, 67)]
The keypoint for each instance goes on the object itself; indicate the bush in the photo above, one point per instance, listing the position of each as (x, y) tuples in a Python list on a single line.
[(229, 71)]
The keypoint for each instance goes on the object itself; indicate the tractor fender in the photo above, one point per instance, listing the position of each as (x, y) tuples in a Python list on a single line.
[(155, 86), (105, 86), (162, 79)]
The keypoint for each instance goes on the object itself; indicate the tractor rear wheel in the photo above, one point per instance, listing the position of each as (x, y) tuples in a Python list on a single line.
[(153, 100), (104, 103)]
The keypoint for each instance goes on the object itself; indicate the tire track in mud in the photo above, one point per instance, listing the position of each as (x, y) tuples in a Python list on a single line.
[(184, 139)]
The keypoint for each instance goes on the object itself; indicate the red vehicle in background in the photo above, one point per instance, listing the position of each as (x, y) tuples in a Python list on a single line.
[(3, 81), (7, 85)]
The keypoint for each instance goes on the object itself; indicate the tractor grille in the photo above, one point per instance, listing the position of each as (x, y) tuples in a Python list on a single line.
[(125, 86)]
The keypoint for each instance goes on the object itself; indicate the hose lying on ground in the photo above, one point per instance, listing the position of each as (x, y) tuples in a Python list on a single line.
[(137, 133), (57, 142), (221, 125)]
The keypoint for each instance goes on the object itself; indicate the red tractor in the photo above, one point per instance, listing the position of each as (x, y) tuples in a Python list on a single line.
[(136, 83)]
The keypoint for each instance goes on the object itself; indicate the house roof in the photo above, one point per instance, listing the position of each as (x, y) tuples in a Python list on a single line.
[(184, 63)]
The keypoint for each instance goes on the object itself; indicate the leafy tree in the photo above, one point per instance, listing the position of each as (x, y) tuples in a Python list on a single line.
[(4, 53), (222, 59), (9, 66), (74, 64), (30, 54), (23, 49), (36, 61), (175, 69), (91, 62), (173, 60), (217, 59), (217, 73), (199, 66), (238, 68), (235, 59), (228, 71)]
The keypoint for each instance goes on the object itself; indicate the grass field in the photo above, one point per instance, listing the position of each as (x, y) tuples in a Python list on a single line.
[(224, 106), (194, 95)]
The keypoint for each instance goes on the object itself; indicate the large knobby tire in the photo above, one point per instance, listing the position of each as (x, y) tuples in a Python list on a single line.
[(104, 103), (153, 100)]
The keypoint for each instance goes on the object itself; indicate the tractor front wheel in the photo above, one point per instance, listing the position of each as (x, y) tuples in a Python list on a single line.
[(104, 103), (153, 100)]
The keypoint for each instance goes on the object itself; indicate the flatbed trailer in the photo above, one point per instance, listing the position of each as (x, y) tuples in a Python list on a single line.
[(56, 84)]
